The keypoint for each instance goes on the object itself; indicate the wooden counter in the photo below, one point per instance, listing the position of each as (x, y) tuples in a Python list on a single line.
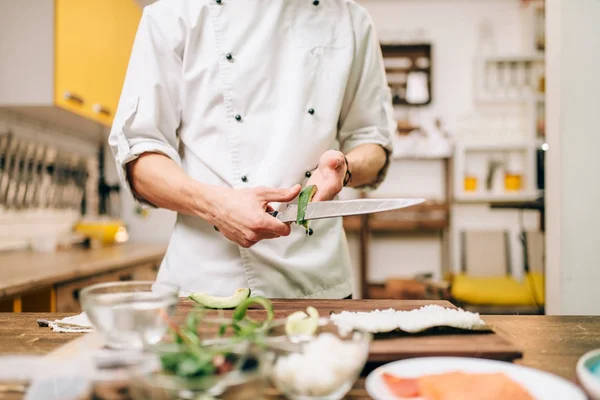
[(28, 272), (552, 344)]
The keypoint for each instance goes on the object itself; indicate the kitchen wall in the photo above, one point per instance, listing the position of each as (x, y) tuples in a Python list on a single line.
[(573, 218)]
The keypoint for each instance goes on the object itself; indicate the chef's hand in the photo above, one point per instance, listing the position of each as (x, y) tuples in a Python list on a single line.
[(240, 215), (329, 175)]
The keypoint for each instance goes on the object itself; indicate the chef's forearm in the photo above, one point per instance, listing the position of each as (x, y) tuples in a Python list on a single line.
[(160, 181), (365, 163)]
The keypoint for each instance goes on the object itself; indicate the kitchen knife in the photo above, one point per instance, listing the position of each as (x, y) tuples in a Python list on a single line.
[(343, 208), (5, 162), (10, 190), (25, 175)]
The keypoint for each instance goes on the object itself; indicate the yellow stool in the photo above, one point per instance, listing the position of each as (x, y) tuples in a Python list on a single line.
[(499, 291)]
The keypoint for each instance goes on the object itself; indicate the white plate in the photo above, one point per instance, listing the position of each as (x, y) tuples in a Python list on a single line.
[(541, 385)]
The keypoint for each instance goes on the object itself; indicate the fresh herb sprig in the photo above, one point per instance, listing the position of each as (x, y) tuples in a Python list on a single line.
[(197, 359)]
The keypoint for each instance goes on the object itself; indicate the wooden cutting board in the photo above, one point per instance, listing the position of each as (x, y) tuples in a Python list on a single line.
[(489, 345), (479, 345)]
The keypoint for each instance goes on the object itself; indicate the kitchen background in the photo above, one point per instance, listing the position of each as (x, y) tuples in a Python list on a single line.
[(470, 94)]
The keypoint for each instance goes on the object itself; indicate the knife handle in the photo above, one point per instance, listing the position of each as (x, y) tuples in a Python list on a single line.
[(271, 213)]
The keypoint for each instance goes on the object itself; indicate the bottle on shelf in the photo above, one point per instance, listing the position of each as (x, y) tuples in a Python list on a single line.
[(470, 181), (513, 176)]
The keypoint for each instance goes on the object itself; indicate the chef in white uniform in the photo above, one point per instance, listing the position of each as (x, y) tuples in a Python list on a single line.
[(228, 108)]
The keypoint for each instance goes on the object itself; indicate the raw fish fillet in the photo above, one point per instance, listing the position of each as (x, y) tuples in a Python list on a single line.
[(457, 386)]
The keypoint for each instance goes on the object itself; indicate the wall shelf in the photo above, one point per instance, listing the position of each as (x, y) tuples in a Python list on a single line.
[(492, 197), (504, 99), (475, 159), (421, 156), (496, 146), (516, 58), (510, 78), (429, 217)]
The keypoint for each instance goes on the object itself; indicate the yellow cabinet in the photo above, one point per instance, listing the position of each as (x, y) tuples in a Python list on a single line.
[(126, 22), (67, 55), (93, 43)]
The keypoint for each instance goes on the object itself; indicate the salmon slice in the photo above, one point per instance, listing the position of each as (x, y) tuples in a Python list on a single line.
[(463, 386), (457, 386), (402, 387)]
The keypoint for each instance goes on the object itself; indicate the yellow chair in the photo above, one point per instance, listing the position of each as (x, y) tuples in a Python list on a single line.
[(485, 281)]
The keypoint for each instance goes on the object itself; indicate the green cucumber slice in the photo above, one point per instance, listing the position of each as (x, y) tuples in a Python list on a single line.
[(301, 323), (221, 302), (305, 197)]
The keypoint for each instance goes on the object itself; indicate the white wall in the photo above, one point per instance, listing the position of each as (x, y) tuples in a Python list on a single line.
[(26, 64), (573, 121), (452, 26)]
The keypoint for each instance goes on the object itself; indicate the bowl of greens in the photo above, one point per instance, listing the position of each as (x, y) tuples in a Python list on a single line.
[(208, 357)]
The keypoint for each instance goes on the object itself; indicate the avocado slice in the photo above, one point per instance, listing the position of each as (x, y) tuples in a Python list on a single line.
[(221, 302)]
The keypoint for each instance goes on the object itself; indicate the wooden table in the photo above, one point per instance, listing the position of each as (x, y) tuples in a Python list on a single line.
[(49, 282), (552, 344), (26, 270)]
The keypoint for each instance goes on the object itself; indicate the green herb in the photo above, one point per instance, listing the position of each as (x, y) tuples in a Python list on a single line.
[(305, 197), (193, 359), (245, 326)]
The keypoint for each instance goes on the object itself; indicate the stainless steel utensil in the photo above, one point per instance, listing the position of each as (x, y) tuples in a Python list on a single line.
[(17, 150), (5, 162), (44, 190), (35, 181), (341, 208), (25, 174)]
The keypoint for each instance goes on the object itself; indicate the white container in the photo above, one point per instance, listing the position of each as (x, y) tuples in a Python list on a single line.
[(44, 244)]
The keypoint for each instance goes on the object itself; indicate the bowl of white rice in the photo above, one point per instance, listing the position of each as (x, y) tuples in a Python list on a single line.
[(323, 365)]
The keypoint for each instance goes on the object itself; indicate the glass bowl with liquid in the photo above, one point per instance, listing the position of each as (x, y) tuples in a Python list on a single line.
[(130, 315)]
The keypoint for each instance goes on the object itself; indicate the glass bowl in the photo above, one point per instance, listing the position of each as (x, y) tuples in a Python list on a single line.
[(130, 315), (588, 372), (239, 374), (322, 366)]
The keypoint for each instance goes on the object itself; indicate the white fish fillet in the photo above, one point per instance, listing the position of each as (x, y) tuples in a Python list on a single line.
[(413, 321)]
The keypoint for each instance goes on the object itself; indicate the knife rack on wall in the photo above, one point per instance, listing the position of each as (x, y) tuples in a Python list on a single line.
[(409, 73), (36, 176), (45, 183)]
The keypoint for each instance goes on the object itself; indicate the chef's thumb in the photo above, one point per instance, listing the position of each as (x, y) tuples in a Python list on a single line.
[(282, 195)]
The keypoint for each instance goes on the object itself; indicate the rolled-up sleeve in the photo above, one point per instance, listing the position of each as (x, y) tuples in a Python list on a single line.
[(367, 113), (149, 111)]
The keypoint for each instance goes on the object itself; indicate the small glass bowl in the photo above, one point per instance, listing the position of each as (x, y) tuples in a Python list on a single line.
[(322, 366), (243, 380), (130, 315)]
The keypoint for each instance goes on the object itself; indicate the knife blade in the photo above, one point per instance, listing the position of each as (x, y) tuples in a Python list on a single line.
[(343, 208)]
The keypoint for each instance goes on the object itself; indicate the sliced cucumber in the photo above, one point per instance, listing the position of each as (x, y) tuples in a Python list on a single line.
[(305, 197), (221, 302), (301, 323)]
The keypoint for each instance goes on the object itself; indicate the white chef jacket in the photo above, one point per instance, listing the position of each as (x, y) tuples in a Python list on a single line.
[(245, 93)]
